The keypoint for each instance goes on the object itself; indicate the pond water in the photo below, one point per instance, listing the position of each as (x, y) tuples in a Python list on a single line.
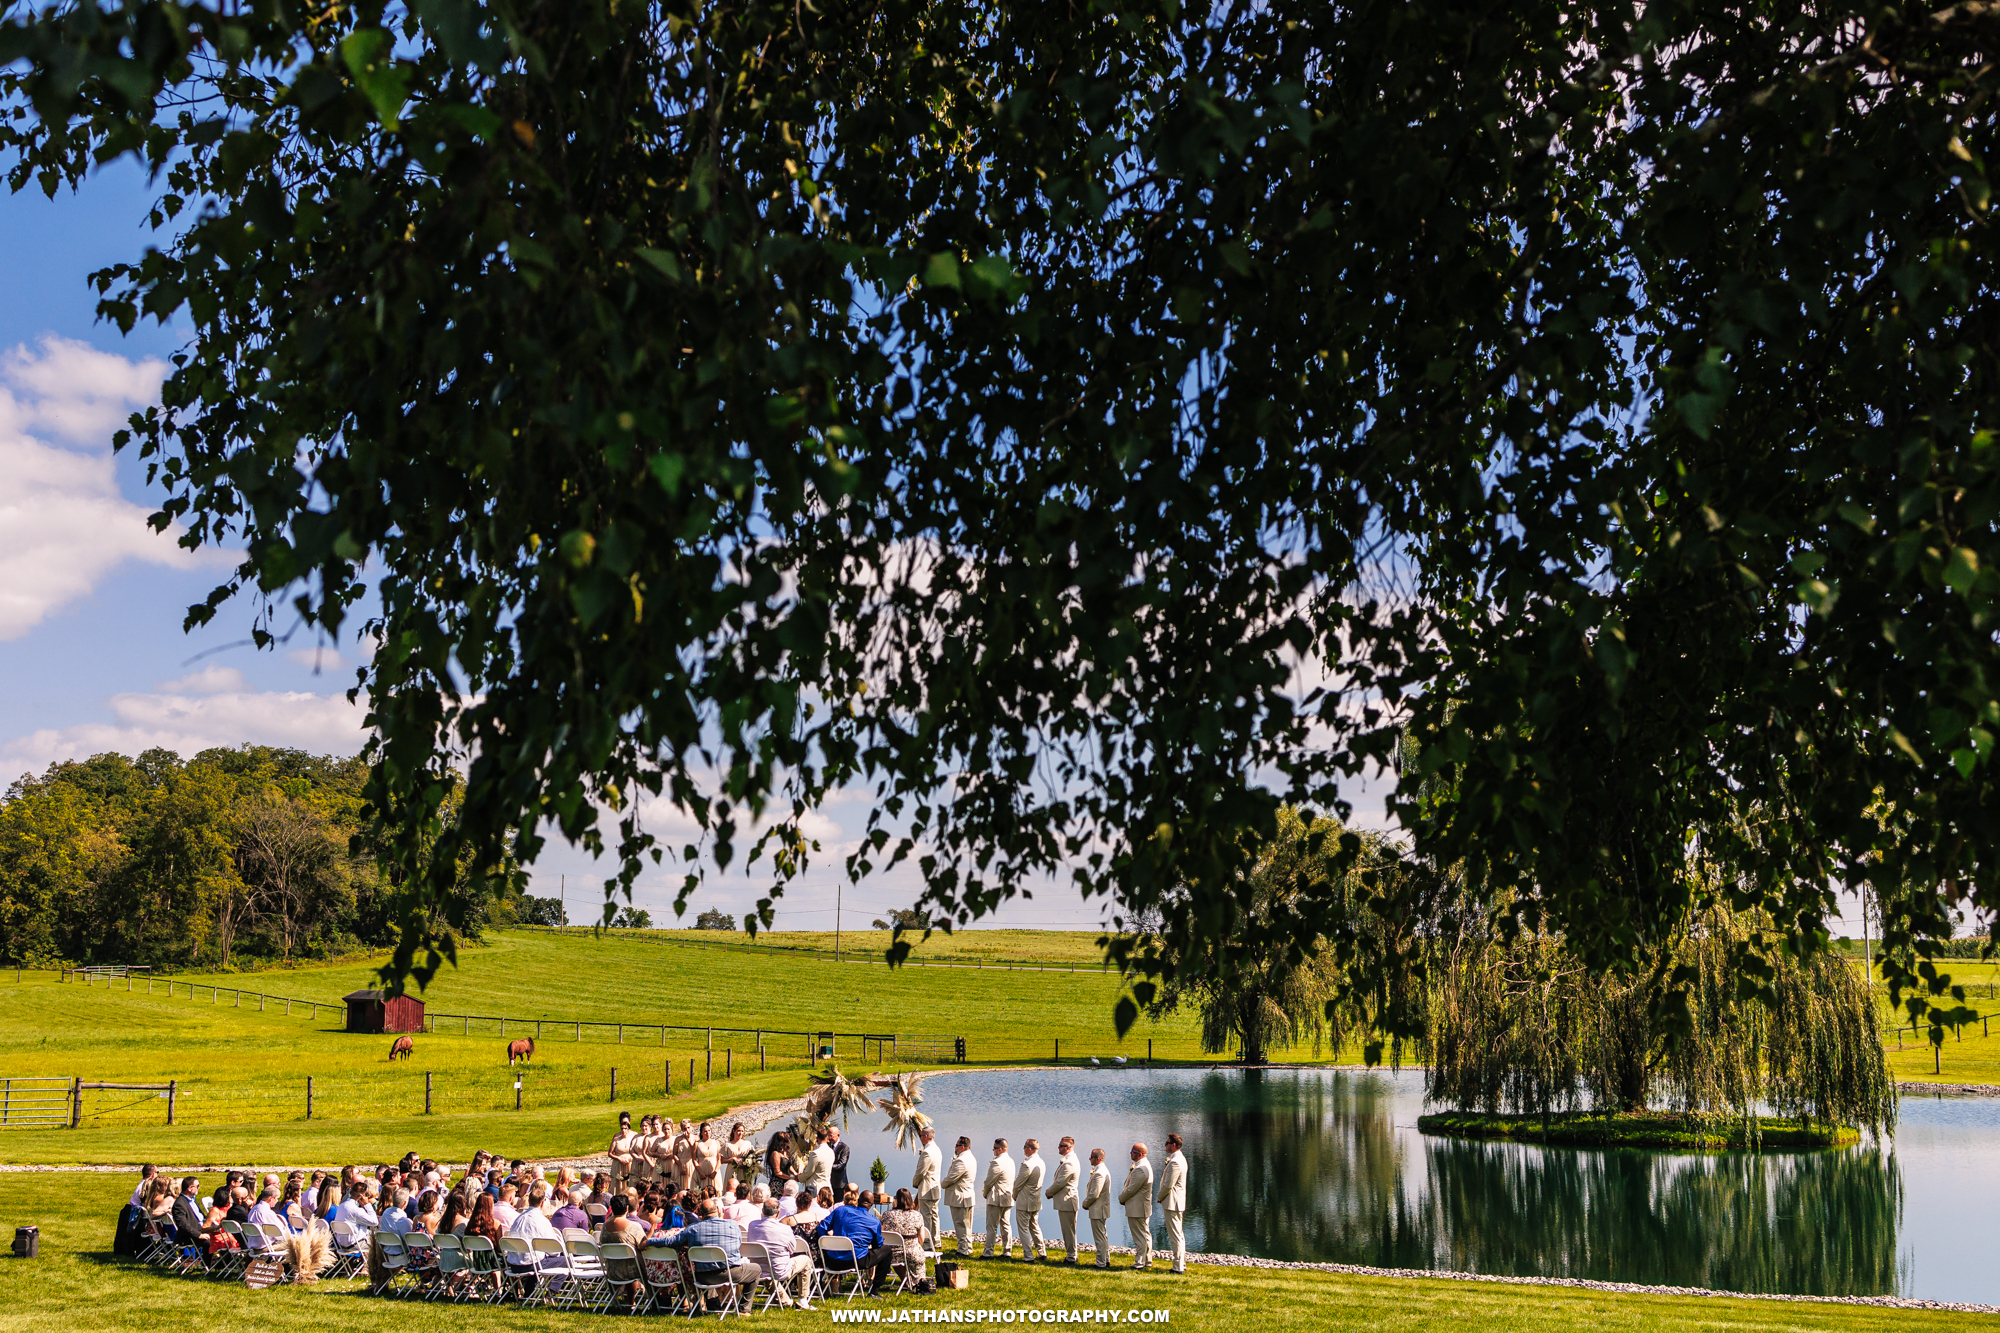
[(1327, 1165)]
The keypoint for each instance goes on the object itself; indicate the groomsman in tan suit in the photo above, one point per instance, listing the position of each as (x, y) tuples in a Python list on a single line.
[(925, 1184), (1137, 1196), (958, 1195), (1172, 1198), (999, 1191), (1062, 1189), (1028, 1202), (1097, 1202)]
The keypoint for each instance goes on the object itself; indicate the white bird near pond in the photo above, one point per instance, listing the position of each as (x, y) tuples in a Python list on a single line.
[(1119, 1061), (1093, 1062)]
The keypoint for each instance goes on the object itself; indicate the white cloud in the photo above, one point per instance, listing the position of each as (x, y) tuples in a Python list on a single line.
[(64, 521), (194, 719), (208, 680)]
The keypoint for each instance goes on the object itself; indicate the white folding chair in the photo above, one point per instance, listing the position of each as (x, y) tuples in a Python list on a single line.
[(838, 1259), (553, 1276), (350, 1252), (450, 1263), (758, 1253), (588, 1289), (422, 1249), (662, 1268), (231, 1263), (714, 1257), (394, 1259), (623, 1276), (906, 1271), (517, 1268), (576, 1233), (482, 1267)]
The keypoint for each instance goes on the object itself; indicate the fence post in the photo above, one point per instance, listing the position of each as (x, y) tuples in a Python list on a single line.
[(729, 1063), (309, 1096), (708, 1069), (503, 1027), (578, 1034), (427, 1092), (762, 1064), (690, 1073), (667, 1087), (621, 1034), (75, 1100), (173, 1087), (614, 1083), (1149, 1052), (517, 1092)]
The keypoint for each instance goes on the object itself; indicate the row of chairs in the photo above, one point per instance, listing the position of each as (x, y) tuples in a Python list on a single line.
[(188, 1257), (576, 1273)]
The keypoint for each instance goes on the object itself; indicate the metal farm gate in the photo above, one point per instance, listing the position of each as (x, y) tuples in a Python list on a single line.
[(36, 1103)]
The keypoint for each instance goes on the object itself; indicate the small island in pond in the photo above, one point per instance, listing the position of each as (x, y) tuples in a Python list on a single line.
[(1638, 1129)]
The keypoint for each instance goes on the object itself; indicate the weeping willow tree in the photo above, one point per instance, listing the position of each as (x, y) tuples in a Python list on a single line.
[(1519, 1025), (1257, 988)]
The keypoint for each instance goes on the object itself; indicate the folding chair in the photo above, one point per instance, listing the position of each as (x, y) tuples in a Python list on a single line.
[(482, 1264), (450, 1263), (350, 1252), (662, 1268), (758, 1253), (837, 1259), (517, 1267), (554, 1277), (230, 1263), (423, 1265), (906, 1273), (394, 1259), (190, 1257), (595, 1212), (588, 1289), (624, 1277), (162, 1242), (714, 1256), (576, 1233)]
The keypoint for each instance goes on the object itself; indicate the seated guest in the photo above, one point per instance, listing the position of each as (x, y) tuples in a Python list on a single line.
[(857, 1224), (600, 1191), (159, 1202), (145, 1185), (214, 1239), (359, 1212), (429, 1212), (264, 1212), (239, 1204), (571, 1215), (453, 1221), (740, 1208), (788, 1199), (714, 1229), (791, 1267), (533, 1224), (483, 1222), (504, 1211), (190, 1219), (396, 1217), (620, 1226), (309, 1196), (329, 1199), (903, 1222)]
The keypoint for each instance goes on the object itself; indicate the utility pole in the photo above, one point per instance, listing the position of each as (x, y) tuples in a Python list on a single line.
[(562, 888), (837, 889)]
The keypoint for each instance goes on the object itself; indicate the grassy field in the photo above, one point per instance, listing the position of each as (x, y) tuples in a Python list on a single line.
[(77, 1283), (238, 1062), (1967, 1056)]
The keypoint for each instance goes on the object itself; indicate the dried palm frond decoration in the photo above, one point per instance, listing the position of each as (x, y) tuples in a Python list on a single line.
[(905, 1094), (834, 1094), (309, 1253)]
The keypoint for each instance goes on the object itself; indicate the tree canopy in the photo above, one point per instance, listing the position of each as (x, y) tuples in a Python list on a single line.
[(1090, 427)]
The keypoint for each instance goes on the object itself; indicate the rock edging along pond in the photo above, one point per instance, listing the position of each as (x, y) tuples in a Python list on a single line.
[(1645, 1129)]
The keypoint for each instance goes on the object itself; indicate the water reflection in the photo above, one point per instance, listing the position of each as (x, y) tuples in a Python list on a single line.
[(1316, 1166)]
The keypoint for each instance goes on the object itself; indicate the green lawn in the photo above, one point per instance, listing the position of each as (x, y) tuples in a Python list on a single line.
[(77, 1284), (239, 1060)]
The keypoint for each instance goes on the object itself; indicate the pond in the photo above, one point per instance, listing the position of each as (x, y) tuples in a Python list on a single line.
[(1327, 1166)]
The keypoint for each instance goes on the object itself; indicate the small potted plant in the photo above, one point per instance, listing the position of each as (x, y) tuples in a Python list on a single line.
[(878, 1173)]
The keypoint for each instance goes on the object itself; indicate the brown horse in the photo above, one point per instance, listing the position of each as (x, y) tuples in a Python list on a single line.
[(402, 1047), (524, 1050)]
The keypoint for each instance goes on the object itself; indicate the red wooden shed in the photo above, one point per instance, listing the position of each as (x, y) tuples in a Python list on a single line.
[(367, 1011)]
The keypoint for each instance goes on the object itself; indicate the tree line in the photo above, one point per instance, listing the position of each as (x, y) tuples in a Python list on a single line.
[(236, 856)]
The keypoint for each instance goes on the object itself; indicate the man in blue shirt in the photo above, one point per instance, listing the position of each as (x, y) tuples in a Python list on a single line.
[(857, 1224), (717, 1230)]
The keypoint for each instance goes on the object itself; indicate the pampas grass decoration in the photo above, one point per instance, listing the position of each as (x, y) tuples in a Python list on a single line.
[(310, 1252), (901, 1107)]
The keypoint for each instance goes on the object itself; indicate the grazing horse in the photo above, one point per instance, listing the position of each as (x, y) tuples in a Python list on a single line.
[(524, 1049), (402, 1047)]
